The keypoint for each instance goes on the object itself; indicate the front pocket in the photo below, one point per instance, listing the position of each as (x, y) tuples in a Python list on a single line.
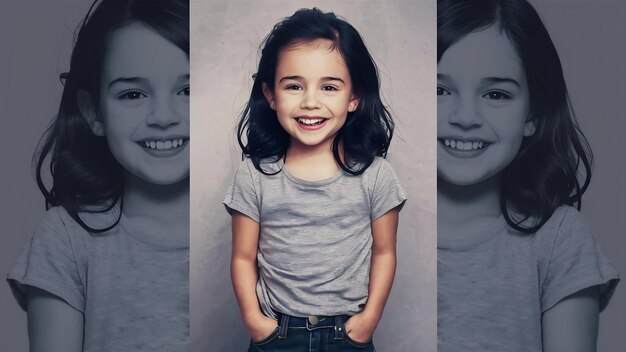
[(266, 340), (352, 342)]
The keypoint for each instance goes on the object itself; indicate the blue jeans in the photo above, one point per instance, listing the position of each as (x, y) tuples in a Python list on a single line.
[(318, 334)]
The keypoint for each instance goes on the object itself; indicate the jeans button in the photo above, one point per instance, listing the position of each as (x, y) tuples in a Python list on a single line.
[(313, 320)]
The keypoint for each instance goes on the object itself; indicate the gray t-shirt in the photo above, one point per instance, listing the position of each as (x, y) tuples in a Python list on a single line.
[(315, 241), (493, 290), (132, 290)]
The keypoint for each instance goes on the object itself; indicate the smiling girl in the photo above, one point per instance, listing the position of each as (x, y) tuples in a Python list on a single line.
[(107, 269), (314, 205), (518, 267)]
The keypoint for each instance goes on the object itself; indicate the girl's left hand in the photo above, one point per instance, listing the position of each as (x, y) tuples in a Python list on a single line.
[(360, 327)]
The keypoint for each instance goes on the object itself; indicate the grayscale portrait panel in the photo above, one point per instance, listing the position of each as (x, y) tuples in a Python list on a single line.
[(590, 41), (530, 111), (36, 38), (226, 36), (100, 129)]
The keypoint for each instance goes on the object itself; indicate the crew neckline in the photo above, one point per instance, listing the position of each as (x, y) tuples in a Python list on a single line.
[(474, 240), (168, 243), (299, 181)]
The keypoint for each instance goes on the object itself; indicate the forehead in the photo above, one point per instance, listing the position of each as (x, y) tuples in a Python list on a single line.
[(131, 52), (315, 58), (487, 53)]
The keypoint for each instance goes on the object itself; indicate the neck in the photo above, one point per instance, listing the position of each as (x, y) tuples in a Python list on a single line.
[(467, 209), (312, 162), (166, 204)]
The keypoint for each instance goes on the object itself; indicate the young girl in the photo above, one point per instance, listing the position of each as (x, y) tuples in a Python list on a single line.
[(518, 268), (107, 269), (314, 206)]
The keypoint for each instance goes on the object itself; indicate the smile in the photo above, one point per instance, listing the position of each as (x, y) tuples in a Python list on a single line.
[(310, 121), (464, 145), (163, 144)]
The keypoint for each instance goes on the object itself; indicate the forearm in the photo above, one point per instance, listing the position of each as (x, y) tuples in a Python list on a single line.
[(244, 278), (383, 262), (243, 266), (382, 273)]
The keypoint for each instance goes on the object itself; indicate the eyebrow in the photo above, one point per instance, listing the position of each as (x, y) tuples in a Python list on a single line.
[(443, 77), (323, 79), (492, 80), (183, 77), (129, 80), (486, 80)]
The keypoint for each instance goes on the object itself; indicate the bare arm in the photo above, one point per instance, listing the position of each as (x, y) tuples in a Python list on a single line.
[(383, 269), (243, 271), (572, 324), (53, 325)]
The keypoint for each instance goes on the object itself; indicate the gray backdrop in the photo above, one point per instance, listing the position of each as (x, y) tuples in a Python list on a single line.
[(225, 37), (589, 36)]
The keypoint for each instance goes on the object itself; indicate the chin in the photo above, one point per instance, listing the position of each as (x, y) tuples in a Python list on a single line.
[(160, 177), (462, 178)]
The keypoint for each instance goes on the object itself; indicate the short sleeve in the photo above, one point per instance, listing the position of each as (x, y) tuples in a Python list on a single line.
[(387, 193), (48, 262), (576, 263), (241, 195)]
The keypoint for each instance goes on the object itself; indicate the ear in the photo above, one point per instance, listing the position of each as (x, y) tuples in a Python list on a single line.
[(353, 104), (86, 108), (269, 96), (530, 127)]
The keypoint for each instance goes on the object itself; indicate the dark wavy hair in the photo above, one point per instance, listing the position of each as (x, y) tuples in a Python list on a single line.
[(545, 172), (85, 175), (367, 131)]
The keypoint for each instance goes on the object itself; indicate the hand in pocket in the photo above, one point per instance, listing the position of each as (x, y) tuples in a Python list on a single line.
[(360, 327), (262, 328)]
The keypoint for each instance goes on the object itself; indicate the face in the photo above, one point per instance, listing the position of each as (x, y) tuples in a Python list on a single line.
[(144, 105), (312, 94), (482, 108)]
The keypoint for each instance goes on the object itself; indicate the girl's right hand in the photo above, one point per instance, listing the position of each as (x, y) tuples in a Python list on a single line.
[(261, 327)]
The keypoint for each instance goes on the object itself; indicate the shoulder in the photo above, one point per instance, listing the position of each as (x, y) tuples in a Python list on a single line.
[(269, 167), (566, 221), (57, 220), (379, 167)]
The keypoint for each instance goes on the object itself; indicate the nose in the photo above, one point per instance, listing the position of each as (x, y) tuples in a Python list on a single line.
[(163, 113), (310, 100), (466, 114)]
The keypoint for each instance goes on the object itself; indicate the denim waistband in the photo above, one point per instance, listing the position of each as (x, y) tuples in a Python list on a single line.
[(311, 323)]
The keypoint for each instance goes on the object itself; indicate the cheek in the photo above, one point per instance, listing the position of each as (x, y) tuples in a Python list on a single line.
[(121, 121)]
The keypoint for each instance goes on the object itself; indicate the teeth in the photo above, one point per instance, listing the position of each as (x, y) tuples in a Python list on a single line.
[(167, 144), (310, 121), (463, 145)]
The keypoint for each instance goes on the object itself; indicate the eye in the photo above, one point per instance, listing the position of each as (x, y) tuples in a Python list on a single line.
[(442, 91), (131, 95), (497, 95), (185, 91), (329, 88), (293, 87)]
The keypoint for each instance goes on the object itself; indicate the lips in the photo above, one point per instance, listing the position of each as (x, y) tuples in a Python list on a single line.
[(163, 143), (311, 122), (463, 145)]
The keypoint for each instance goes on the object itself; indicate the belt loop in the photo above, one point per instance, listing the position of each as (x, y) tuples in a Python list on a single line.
[(282, 328), (338, 328)]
